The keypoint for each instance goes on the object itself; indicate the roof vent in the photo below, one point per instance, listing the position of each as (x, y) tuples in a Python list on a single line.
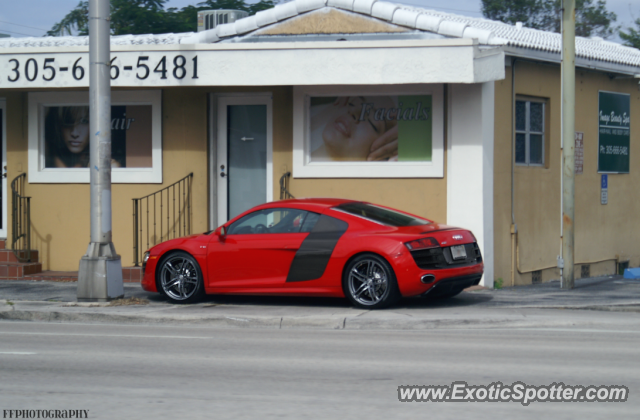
[(209, 19), (518, 25)]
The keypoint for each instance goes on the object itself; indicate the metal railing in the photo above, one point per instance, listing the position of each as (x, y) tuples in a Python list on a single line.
[(162, 215), (284, 187), (20, 220)]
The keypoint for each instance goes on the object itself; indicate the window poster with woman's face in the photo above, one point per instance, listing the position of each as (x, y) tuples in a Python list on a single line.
[(66, 136), (371, 128)]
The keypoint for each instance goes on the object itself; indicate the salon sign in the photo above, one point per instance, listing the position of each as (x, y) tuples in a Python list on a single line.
[(614, 129), (127, 68)]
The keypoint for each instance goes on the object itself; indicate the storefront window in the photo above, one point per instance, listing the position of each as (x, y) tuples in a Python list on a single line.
[(66, 136), (368, 132), (59, 137)]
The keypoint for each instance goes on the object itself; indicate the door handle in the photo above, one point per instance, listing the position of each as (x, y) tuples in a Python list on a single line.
[(222, 174)]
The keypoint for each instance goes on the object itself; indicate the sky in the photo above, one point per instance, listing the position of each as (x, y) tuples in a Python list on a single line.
[(36, 17)]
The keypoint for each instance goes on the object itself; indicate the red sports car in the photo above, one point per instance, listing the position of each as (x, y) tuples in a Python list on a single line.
[(371, 254)]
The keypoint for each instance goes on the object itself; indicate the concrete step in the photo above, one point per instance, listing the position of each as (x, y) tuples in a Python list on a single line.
[(18, 271), (8, 255), (129, 274)]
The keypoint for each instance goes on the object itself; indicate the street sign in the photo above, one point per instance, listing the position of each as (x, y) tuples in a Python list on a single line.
[(579, 152), (614, 119), (604, 189)]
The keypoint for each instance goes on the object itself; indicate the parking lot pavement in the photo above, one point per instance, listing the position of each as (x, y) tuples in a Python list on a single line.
[(534, 305)]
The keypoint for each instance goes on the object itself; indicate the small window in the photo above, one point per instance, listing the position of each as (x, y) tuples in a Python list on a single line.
[(274, 221), (530, 136)]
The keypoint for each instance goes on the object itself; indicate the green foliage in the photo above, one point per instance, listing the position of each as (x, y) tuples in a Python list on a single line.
[(149, 16), (592, 16), (632, 38), (498, 283), (76, 20)]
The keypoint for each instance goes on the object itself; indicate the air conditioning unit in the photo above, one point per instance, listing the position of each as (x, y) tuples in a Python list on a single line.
[(209, 19)]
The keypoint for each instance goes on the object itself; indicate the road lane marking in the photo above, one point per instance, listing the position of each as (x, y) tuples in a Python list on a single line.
[(106, 335), (16, 352), (580, 330)]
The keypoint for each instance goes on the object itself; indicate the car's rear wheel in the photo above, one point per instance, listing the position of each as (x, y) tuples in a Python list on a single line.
[(370, 283), (179, 278)]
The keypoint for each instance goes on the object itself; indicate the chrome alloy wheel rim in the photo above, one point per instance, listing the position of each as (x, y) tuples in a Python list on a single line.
[(368, 282), (179, 278)]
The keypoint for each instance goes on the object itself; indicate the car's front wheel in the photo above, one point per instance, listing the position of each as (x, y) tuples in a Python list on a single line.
[(179, 278), (370, 283)]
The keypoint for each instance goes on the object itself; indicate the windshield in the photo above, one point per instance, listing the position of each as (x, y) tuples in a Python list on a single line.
[(381, 215)]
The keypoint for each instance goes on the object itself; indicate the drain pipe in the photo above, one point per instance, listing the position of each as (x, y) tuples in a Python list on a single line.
[(513, 158)]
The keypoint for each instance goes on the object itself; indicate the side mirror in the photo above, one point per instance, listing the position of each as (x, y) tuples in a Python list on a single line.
[(221, 232)]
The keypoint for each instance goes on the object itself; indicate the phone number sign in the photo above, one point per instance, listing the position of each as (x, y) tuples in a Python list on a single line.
[(72, 69), (614, 129)]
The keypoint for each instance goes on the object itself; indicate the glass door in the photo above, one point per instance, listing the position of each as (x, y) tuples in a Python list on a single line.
[(244, 168)]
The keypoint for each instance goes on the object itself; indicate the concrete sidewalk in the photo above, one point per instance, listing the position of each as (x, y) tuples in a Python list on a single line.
[(524, 306)]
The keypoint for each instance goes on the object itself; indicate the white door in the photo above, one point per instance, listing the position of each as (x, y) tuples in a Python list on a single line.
[(244, 154), (3, 171)]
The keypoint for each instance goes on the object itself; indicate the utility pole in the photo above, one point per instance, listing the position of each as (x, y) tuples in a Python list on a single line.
[(568, 137), (100, 274)]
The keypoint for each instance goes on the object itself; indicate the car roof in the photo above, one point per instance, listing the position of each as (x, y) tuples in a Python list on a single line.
[(313, 202)]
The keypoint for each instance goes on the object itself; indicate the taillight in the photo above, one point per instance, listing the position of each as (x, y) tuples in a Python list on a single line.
[(424, 243)]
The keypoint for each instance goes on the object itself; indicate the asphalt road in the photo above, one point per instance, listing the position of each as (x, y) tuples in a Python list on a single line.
[(174, 372)]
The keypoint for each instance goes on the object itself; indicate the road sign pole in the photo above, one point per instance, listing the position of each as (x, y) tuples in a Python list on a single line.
[(100, 274), (568, 136)]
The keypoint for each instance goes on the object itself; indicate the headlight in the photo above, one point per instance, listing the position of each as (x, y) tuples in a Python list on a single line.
[(144, 261)]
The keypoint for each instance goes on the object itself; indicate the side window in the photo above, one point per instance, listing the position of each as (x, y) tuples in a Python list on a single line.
[(309, 222), (530, 132), (274, 221)]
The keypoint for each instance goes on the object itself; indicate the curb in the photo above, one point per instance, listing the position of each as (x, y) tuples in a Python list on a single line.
[(288, 322)]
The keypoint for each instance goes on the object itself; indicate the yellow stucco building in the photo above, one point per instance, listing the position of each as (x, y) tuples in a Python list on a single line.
[(236, 106)]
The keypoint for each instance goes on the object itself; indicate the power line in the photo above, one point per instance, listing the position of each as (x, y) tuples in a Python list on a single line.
[(24, 26), (18, 33)]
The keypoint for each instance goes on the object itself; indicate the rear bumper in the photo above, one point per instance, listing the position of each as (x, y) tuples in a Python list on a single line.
[(409, 275), (453, 284)]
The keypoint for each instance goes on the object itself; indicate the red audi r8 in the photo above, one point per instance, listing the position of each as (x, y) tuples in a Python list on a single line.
[(369, 253)]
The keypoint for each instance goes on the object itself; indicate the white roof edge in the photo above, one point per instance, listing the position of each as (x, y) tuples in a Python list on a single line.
[(487, 32), (551, 57)]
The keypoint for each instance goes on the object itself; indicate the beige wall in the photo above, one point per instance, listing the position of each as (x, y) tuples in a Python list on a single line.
[(60, 212), (424, 197), (602, 232)]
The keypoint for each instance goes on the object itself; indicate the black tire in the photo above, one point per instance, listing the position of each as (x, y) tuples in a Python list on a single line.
[(179, 278), (370, 283)]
